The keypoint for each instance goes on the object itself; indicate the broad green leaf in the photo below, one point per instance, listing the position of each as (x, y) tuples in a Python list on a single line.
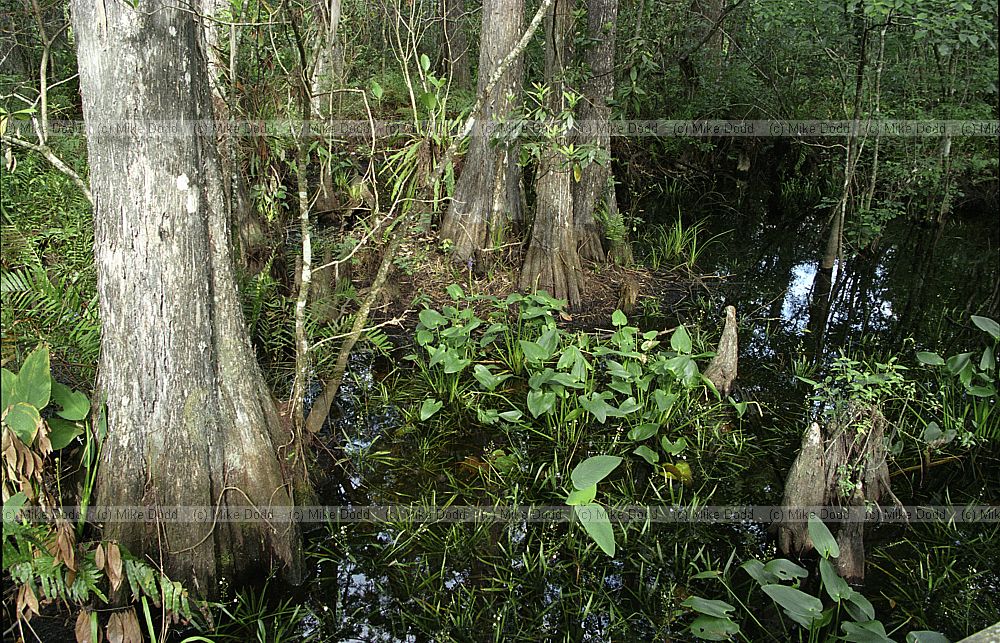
[(988, 362), (680, 341), (822, 539), (835, 586), (13, 505), (595, 520), (376, 90), (540, 402), (75, 405), (643, 431), (680, 471), (859, 607), (674, 448), (647, 454), (62, 432), (718, 609), (710, 628), (925, 636), (618, 319), (785, 569), (7, 382), (628, 406), (801, 607), (582, 496), (865, 632), (931, 359), (34, 383), (455, 292), (593, 470), (664, 401), (453, 363), (23, 420), (987, 325), (487, 416), (424, 336), (425, 62), (511, 416), (597, 406), (431, 318), (549, 341), (485, 377), (982, 391), (757, 572), (533, 352), (429, 408), (956, 363)]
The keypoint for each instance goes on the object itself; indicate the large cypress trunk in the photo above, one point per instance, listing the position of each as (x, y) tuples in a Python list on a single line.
[(552, 262), (595, 188), (487, 197), (190, 421)]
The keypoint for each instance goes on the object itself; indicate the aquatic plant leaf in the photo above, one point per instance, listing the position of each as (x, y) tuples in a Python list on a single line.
[(628, 406), (859, 607), (618, 319), (595, 521), (540, 402), (987, 325), (801, 607), (678, 471), (647, 454), (429, 408), (75, 405), (835, 586), (756, 570), (664, 401), (485, 377), (958, 363), (643, 431), (823, 540), (598, 406), (549, 341), (710, 628), (533, 352), (680, 341), (931, 359), (674, 448), (593, 470), (718, 609), (582, 496), (988, 362), (785, 569), (431, 318), (511, 416), (455, 292), (925, 636), (23, 420), (865, 632)]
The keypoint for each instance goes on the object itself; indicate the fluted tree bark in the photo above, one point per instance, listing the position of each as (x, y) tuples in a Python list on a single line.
[(190, 420), (487, 197), (552, 262)]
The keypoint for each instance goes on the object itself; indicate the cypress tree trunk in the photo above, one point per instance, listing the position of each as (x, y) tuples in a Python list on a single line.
[(552, 262), (190, 421), (596, 188), (487, 196)]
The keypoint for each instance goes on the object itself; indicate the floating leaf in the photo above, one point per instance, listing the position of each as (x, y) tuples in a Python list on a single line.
[(593, 470), (429, 408), (597, 524)]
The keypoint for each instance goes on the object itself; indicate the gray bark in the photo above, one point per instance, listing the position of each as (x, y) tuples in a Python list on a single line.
[(190, 421), (552, 262), (486, 195)]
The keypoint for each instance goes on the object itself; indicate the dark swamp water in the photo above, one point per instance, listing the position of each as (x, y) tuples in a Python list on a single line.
[(520, 581)]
